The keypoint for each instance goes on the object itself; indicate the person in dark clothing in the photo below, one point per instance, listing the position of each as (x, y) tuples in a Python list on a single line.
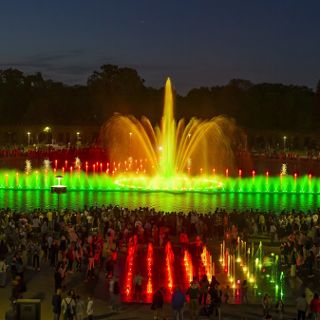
[(57, 280), (204, 287), (193, 293), (215, 301), (56, 304), (177, 302), (157, 303)]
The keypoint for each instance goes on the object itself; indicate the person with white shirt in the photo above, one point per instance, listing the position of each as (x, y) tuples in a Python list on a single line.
[(90, 308)]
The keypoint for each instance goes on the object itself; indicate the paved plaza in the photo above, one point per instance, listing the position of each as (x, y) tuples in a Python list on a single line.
[(41, 285)]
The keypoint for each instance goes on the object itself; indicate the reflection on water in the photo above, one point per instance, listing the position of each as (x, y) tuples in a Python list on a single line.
[(27, 200)]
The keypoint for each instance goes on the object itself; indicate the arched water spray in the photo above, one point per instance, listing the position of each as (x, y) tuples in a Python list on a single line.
[(174, 149)]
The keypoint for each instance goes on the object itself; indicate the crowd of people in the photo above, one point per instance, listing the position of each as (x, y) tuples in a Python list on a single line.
[(89, 241)]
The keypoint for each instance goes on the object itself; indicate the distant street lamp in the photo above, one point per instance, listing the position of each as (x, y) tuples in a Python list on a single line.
[(47, 131), (284, 142), (28, 134)]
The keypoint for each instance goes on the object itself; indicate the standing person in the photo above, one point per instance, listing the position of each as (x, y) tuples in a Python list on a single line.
[(273, 231), (3, 273), (137, 281), (110, 283), (90, 308), (266, 305), (302, 307), (36, 248), (227, 294), (57, 279), (310, 261), (280, 309), (315, 307), (80, 308), (178, 300), (193, 293), (157, 304), (262, 223), (90, 268), (116, 295), (204, 287), (68, 307), (56, 304), (244, 292), (214, 308)]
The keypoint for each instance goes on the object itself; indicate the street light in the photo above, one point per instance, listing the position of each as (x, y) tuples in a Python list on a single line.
[(47, 131), (284, 142), (28, 133)]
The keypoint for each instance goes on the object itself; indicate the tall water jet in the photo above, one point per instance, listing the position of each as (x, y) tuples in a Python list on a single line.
[(167, 149)]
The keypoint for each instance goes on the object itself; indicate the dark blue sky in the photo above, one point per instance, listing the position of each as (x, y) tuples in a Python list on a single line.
[(195, 42)]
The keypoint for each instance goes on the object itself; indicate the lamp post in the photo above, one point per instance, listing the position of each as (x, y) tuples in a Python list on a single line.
[(47, 130), (78, 140), (28, 134), (284, 143)]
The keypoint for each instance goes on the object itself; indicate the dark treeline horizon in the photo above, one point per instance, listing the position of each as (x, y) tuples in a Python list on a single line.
[(29, 99)]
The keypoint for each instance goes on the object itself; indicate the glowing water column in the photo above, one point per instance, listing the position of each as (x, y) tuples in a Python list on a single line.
[(149, 269), (132, 248), (168, 134), (188, 267), (169, 265), (206, 260)]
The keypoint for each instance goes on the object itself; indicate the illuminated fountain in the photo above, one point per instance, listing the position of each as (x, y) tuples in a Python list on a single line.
[(180, 156), (176, 156)]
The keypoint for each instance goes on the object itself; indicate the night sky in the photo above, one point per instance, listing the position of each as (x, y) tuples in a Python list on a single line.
[(196, 43)]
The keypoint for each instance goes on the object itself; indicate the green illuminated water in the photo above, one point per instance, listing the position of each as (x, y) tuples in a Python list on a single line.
[(203, 193), (179, 184), (162, 201)]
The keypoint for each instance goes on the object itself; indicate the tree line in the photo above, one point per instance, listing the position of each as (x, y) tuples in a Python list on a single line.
[(31, 99)]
